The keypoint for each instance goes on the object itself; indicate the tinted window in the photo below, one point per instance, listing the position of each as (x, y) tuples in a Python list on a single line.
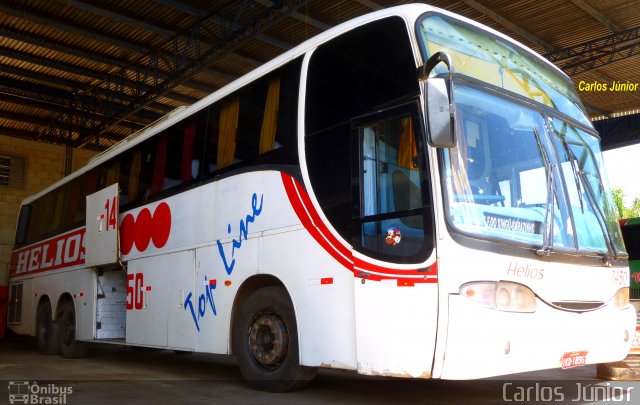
[(368, 69)]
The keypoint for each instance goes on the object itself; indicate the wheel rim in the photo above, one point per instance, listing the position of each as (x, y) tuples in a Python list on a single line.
[(268, 340)]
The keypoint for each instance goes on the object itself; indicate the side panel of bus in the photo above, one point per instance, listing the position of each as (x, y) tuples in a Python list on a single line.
[(181, 293)]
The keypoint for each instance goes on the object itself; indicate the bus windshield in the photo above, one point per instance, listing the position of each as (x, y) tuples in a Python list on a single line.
[(518, 173), (486, 57)]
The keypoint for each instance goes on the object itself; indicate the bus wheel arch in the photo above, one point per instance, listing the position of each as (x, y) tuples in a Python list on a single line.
[(67, 324), (47, 331), (264, 337)]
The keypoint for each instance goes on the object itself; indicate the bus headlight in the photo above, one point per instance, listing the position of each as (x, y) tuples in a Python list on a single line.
[(621, 298), (501, 295)]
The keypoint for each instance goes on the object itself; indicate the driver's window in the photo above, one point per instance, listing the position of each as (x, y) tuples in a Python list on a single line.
[(390, 221)]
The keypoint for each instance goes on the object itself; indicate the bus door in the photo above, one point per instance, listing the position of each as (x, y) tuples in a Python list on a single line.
[(393, 241)]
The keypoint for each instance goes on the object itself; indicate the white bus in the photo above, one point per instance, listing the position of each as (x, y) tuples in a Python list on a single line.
[(408, 194)]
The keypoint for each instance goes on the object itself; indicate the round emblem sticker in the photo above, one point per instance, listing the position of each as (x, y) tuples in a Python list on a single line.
[(393, 236)]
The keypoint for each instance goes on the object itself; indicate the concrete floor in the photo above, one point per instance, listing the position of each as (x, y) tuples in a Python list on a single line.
[(120, 375)]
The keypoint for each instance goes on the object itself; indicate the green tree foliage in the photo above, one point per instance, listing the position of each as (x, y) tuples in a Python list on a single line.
[(625, 212)]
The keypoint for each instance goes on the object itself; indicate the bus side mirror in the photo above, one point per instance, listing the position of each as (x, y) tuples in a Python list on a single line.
[(440, 114), (439, 103)]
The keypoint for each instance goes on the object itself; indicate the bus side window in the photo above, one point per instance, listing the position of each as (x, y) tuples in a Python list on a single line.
[(211, 145), (23, 225), (251, 125), (75, 206), (390, 191)]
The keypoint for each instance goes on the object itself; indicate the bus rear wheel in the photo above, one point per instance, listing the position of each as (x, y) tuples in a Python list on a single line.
[(69, 346), (47, 336), (265, 341)]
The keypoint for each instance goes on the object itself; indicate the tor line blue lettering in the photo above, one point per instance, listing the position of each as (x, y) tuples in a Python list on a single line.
[(236, 244), (198, 309), (203, 299)]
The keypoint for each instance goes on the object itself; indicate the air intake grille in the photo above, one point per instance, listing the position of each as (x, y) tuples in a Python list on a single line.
[(578, 306)]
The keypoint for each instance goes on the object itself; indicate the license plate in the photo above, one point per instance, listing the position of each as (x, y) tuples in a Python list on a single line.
[(574, 359)]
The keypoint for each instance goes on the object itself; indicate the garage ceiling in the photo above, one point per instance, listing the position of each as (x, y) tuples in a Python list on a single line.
[(89, 73)]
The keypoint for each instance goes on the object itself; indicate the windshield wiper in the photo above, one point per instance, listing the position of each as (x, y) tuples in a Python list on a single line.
[(579, 175), (547, 238), (573, 160)]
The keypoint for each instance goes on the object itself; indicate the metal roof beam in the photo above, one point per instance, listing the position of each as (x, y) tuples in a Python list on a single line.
[(299, 16), (60, 97), (43, 42), (65, 67), (141, 79), (205, 59), (119, 17), (598, 48), (183, 7), (18, 133), (476, 5), (589, 9), (311, 21), (35, 136), (59, 108), (39, 121), (48, 44), (32, 102), (51, 63), (36, 17), (590, 64), (10, 32), (370, 4), (223, 23)]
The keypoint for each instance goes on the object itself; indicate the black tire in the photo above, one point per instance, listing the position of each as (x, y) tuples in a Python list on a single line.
[(47, 333), (265, 342), (69, 346)]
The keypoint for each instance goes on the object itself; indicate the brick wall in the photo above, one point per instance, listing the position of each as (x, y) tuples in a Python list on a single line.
[(44, 165)]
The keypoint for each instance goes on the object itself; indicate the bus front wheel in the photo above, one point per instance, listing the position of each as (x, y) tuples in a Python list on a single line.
[(47, 336), (265, 341), (69, 346)]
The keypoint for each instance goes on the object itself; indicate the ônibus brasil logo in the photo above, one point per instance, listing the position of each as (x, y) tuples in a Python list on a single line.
[(25, 392)]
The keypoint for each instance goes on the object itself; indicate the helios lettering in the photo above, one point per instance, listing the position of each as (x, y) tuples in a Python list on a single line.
[(64, 251), (519, 270)]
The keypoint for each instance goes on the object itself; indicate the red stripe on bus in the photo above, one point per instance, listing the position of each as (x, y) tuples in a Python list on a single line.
[(304, 209), (296, 203)]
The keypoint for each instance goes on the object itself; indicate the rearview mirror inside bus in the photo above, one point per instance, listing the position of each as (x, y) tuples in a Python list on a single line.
[(439, 114)]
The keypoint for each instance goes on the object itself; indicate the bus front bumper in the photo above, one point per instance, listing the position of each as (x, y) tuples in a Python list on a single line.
[(483, 342)]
